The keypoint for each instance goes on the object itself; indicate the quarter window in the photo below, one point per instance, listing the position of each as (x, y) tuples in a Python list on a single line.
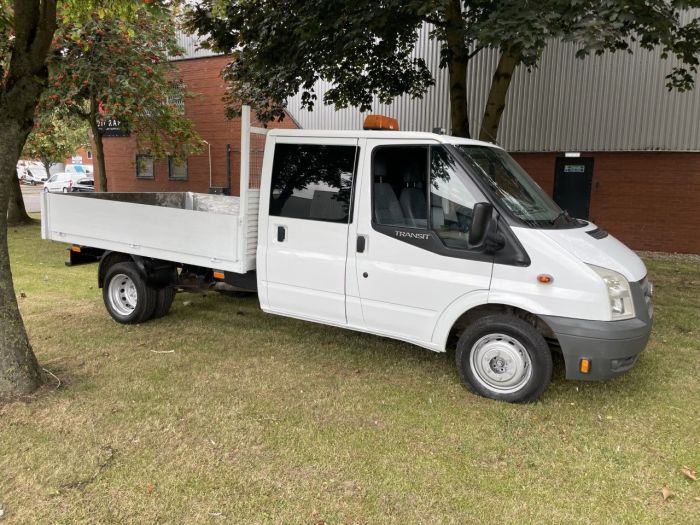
[(311, 181)]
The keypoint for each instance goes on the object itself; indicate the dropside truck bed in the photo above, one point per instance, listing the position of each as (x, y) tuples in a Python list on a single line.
[(185, 228)]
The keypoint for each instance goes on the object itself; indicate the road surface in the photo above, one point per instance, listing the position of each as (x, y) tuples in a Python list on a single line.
[(32, 197)]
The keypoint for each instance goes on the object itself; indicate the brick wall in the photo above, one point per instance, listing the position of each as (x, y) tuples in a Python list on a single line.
[(650, 201), (83, 153), (206, 110)]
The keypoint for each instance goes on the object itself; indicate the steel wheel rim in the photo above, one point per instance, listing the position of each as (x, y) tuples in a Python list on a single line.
[(500, 363), (122, 294)]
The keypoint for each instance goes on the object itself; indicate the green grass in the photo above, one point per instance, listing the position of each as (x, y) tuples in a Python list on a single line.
[(254, 418)]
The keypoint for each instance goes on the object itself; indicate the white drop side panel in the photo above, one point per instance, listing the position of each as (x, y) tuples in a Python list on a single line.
[(184, 236)]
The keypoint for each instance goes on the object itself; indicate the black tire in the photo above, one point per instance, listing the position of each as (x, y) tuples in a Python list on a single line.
[(126, 308), (490, 354), (164, 300)]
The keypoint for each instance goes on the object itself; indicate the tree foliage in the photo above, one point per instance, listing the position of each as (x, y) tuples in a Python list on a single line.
[(110, 66), (365, 48), (55, 137), (26, 31)]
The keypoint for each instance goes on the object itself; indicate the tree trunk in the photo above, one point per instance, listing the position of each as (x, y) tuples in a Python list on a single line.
[(20, 89), (496, 102), (47, 167), (457, 68), (16, 212), (19, 370), (99, 148)]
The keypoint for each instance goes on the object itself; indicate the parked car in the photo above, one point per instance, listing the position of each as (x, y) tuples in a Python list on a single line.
[(84, 185), (84, 169), (33, 175), (65, 182)]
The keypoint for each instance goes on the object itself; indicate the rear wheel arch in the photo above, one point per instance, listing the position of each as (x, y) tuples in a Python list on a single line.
[(108, 260), (155, 272)]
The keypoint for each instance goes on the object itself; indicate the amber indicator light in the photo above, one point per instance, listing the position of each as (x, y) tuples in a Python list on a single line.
[(219, 275), (584, 365), (545, 278)]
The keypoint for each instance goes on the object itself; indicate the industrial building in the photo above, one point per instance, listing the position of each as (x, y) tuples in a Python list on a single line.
[(602, 135)]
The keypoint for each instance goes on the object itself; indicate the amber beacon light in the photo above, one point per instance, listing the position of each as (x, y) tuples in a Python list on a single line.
[(377, 122)]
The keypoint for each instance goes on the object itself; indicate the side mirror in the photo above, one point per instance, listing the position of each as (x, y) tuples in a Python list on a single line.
[(481, 218)]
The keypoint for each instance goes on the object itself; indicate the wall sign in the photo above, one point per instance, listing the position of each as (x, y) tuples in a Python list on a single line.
[(112, 127)]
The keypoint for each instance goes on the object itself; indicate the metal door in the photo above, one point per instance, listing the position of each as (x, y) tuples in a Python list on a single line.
[(573, 177)]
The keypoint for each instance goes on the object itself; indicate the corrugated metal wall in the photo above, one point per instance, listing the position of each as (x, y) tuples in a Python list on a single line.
[(190, 47), (617, 102)]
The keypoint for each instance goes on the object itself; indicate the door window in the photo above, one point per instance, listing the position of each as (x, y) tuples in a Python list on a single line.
[(451, 203), (312, 181), (419, 187), (399, 184)]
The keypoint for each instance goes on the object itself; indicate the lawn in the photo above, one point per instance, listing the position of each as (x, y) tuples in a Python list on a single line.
[(219, 413)]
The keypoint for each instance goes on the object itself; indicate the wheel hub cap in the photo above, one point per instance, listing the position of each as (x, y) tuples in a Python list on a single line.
[(122, 294), (501, 363)]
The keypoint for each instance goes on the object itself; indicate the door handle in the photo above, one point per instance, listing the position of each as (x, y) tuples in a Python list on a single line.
[(361, 243), (281, 233)]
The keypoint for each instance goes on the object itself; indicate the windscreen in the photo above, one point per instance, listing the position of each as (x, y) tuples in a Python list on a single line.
[(514, 188)]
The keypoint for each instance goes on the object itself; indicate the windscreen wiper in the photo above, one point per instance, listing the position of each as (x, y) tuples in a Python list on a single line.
[(563, 215)]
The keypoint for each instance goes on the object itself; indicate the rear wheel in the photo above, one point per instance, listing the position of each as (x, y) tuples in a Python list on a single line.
[(65, 190), (503, 357), (129, 300), (164, 300)]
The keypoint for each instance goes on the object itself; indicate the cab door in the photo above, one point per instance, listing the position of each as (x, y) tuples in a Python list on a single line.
[(310, 198), (414, 261)]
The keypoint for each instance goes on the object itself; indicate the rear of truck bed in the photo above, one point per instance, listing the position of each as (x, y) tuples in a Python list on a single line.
[(186, 228)]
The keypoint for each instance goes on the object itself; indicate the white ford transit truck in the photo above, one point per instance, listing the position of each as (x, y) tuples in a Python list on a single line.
[(431, 239)]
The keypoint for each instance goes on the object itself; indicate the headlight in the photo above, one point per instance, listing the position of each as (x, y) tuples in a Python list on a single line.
[(619, 293)]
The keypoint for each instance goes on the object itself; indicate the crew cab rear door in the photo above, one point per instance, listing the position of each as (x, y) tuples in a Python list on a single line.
[(310, 202)]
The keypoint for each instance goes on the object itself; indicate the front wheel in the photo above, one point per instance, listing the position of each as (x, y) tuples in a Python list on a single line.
[(129, 300), (503, 357)]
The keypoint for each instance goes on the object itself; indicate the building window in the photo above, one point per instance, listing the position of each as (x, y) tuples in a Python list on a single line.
[(89, 154), (312, 182), (144, 166), (177, 168)]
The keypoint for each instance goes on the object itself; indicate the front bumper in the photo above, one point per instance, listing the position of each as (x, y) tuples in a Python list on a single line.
[(611, 346)]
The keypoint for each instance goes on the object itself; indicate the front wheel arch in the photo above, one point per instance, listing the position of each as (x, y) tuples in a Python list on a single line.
[(474, 314)]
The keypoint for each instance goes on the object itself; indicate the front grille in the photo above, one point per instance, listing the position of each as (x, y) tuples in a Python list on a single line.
[(598, 233)]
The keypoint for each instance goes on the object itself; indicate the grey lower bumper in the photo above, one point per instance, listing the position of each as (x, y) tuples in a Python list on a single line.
[(611, 346), (609, 356)]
